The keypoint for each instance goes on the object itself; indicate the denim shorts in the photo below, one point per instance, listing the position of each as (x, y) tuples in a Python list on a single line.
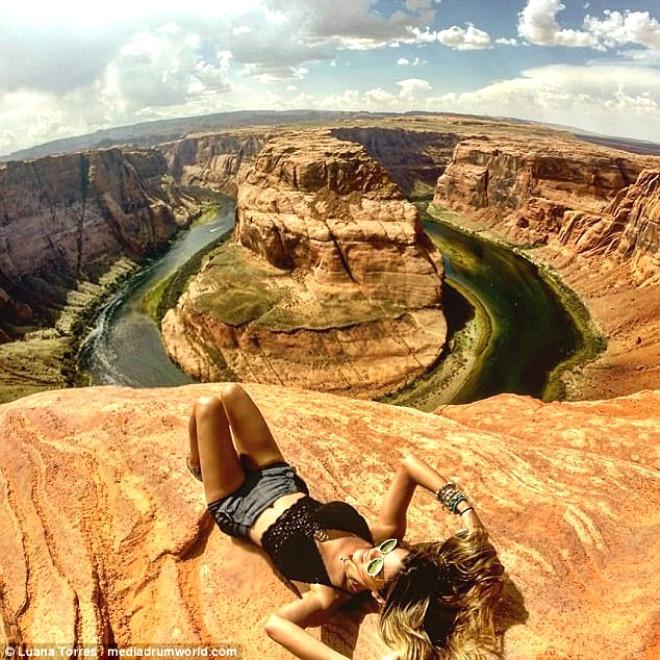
[(235, 513)]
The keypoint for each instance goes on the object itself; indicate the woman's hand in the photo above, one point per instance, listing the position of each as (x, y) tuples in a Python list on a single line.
[(424, 475)]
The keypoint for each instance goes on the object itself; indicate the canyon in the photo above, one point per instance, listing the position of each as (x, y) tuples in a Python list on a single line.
[(329, 281), (70, 227), (107, 541), (592, 217), (585, 212)]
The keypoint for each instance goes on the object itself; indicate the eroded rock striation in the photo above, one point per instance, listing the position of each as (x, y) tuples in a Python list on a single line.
[(69, 218), (329, 282), (589, 213), (70, 228), (413, 158), (214, 161), (106, 539)]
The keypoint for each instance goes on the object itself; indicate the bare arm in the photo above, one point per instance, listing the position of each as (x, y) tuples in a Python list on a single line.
[(293, 638), (411, 473), (313, 609)]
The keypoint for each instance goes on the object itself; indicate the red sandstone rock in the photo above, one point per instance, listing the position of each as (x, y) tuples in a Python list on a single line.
[(349, 299), (68, 218), (214, 160), (105, 536), (593, 214)]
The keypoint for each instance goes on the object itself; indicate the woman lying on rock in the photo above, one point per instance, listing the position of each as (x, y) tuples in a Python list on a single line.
[(436, 599)]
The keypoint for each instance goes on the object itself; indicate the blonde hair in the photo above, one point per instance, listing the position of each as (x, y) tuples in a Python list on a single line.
[(441, 603)]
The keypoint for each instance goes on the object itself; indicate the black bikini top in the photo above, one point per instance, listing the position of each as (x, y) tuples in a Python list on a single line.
[(290, 539)]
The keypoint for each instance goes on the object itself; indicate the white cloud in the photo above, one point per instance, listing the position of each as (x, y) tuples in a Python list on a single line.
[(379, 98), (404, 61), (419, 36), (7, 140), (419, 5), (505, 41), (270, 74), (412, 87), (610, 98), (353, 25), (79, 13), (459, 38), (161, 68), (636, 27), (537, 24)]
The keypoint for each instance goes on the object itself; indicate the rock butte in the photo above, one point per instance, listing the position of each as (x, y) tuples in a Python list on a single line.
[(590, 210), (106, 537), (329, 283)]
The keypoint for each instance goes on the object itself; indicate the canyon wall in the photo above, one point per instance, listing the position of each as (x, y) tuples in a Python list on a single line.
[(591, 215), (106, 539), (213, 161), (410, 157), (329, 283), (68, 218), (532, 191)]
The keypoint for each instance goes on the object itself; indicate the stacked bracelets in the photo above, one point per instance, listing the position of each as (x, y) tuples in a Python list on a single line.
[(451, 497)]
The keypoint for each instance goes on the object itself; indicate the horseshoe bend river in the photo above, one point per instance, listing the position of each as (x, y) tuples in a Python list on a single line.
[(509, 329)]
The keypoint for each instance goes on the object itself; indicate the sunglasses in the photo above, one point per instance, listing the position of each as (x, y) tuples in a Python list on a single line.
[(375, 566)]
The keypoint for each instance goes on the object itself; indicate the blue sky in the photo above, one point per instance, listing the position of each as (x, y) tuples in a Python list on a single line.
[(69, 67)]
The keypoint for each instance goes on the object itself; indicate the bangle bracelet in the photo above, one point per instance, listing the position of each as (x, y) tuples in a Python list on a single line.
[(466, 510), (455, 500), (440, 493)]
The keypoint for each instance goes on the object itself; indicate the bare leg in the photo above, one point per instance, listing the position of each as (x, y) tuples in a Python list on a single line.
[(221, 468), (252, 436)]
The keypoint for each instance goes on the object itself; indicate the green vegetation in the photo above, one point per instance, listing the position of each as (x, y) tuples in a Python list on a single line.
[(421, 191), (592, 341), (209, 212), (33, 365), (242, 288), (449, 378)]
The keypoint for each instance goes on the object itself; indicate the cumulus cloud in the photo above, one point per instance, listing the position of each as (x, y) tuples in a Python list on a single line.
[(271, 74), (352, 25), (611, 98), (404, 61), (506, 41), (538, 24), (37, 57), (412, 87), (163, 67), (460, 38), (632, 27)]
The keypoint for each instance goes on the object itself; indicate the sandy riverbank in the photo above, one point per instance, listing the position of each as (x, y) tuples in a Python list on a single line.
[(45, 358)]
